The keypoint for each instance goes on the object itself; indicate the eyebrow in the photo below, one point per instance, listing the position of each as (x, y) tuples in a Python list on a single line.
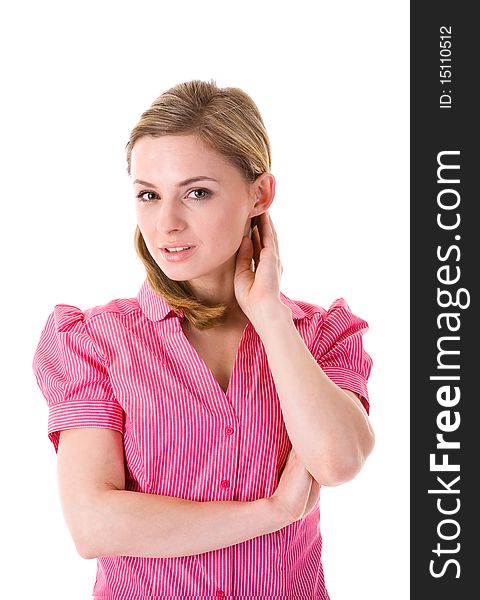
[(181, 183)]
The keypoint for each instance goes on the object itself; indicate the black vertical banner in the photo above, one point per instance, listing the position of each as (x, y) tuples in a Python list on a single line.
[(445, 324)]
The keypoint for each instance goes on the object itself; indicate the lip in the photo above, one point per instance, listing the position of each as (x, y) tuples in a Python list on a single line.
[(177, 256), (175, 245)]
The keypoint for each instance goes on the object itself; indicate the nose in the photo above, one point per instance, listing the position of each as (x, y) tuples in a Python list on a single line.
[(169, 217)]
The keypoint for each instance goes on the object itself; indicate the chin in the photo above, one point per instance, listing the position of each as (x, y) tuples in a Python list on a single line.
[(173, 277), (188, 270), (180, 272)]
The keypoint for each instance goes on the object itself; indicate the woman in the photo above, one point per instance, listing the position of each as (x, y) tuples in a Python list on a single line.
[(195, 423)]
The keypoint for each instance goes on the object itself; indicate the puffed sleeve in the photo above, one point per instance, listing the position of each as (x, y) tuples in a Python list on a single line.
[(338, 348), (72, 376)]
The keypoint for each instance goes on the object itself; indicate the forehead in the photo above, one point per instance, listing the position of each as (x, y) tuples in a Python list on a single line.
[(175, 154)]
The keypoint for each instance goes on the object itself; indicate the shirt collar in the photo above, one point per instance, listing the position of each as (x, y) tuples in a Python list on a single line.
[(153, 305), (156, 308)]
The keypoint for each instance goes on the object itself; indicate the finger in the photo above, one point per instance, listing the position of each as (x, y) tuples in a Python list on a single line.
[(257, 245), (274, 230), (260, 226), (268, 240), (274, 233), (244, 256)]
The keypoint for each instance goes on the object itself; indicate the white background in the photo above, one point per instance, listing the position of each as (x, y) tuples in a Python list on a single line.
[(331, 82)]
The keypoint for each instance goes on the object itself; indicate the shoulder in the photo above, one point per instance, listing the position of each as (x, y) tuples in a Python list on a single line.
[(328, 324), (302, 309), (69, 317), (116, 307)]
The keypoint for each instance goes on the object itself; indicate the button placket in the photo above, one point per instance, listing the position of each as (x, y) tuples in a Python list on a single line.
[(225, 483)]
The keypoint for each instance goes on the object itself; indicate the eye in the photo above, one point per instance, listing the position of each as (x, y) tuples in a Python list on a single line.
[(205, 192), (145, 193)]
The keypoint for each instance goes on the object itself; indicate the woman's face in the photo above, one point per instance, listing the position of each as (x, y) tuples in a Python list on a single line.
[(211, 213)]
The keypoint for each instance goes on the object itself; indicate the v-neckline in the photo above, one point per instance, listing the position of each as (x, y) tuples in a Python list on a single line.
[(206, 369)]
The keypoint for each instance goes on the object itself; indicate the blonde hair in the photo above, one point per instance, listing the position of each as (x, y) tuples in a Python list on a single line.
[(228, 121)]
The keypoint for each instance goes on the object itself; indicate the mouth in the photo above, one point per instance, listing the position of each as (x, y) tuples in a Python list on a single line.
[(176, 254), (177, 248)]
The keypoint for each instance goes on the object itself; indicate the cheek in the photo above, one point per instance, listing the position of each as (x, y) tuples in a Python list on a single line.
[(145, 221), (148, 233), (139, 217), (226, 232), (143, 230)]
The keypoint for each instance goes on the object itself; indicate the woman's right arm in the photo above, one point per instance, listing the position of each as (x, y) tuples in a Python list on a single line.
[(104, 519)]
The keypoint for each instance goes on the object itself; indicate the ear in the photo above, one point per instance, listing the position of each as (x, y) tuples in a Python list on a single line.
[(263, 192)]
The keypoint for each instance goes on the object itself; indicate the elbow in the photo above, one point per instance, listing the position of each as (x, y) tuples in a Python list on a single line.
[(85, 551), (84, 540), (87, 529), (80, 535), (338, 474), (341, 468)]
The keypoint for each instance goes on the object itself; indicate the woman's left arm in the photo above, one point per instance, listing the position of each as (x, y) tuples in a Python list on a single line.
[(327, 425)]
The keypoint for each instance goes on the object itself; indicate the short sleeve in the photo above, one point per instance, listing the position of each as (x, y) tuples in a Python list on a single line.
[(337, 346), (72, 376)]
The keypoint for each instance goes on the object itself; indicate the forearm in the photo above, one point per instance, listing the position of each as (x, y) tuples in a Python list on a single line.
[(126, 523)]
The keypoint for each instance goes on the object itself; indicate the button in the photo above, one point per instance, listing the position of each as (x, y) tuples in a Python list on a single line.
[(225, 483), (220, 593), (229, 430)]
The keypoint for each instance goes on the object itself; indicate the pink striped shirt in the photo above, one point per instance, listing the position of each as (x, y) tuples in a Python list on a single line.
[(127, 365)]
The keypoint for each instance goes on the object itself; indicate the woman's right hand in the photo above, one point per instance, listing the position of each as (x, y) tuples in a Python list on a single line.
[(297, 491)]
